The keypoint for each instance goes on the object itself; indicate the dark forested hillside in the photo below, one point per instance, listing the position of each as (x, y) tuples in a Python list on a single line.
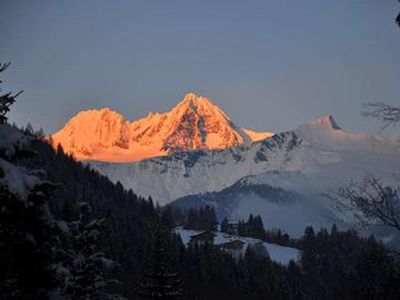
[(226, 200), (152, 260), (129, 219)]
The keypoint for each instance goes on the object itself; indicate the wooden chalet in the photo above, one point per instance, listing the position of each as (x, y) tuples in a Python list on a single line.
[(204, 238), (234, 248)]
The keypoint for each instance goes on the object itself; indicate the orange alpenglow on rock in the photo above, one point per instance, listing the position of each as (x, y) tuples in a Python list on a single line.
[(194, 124)]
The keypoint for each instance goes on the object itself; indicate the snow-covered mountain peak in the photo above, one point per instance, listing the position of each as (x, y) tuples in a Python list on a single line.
[(327, 122), (201, 106), (325, 134), (91, 131), (194, 99), (105, 114), (151, 114), (194, 124)]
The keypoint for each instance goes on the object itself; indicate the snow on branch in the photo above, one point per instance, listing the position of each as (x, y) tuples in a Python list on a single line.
[(13, 141), (22, 182)]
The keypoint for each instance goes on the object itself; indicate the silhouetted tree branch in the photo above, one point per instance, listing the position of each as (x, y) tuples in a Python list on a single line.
[(387, 114), (379, 204), (6, 100), (398, 19)]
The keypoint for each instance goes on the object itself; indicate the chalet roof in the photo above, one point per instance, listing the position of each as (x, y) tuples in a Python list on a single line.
[(233, 222), (233, 245), (205, 234)]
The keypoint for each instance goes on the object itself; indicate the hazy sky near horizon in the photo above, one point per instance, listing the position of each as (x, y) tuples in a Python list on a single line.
[(270, 65)]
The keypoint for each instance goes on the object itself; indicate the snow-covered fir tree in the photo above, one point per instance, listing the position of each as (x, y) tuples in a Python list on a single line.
[(87, 267), (28, 232)]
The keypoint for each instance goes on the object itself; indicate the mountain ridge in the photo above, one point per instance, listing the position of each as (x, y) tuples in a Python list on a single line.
[(328, 155), (194, 124)]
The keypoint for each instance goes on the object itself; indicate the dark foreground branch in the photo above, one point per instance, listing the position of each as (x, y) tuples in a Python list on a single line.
[(380, 205), (387, 114)]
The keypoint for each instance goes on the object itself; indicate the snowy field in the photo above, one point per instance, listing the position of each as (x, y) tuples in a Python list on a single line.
[(277, 253)]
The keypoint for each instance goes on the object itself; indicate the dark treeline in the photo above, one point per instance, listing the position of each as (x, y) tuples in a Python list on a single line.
[(333, 265), (130, 220), (202, 218), (277, 236), (254, 227), (341, 265)]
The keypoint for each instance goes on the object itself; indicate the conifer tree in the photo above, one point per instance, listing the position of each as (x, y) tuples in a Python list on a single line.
[(87, 266), (254, 227), (159, 280), (27, 241), (224, 225), (203, 218), (7, 99), (28, 233)]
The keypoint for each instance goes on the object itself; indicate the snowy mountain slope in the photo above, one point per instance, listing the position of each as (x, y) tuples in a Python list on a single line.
[(324, 133), (326, 155), (257, 136), (195, 123), (170, 177)]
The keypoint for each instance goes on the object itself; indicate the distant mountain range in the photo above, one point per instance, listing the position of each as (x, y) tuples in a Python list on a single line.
[(194, 124), (325, 154), (196, 148), (194, 154)]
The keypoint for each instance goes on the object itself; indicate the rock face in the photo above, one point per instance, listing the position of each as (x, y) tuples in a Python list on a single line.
[(194, 124)]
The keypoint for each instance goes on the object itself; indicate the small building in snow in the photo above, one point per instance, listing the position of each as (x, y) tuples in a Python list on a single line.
[(235, 248), (204, 238)]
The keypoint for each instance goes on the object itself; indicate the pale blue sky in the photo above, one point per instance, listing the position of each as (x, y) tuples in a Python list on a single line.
[(269, 64)]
